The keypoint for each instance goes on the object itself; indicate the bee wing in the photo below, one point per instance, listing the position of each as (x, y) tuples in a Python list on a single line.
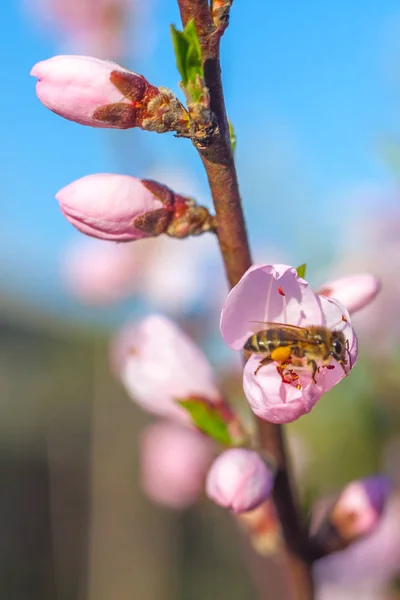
[(291, 332)]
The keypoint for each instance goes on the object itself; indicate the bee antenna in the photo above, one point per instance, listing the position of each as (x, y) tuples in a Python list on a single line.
[(262, 322), (349, 355)]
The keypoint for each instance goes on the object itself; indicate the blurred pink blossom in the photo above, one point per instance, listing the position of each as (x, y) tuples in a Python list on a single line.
[(174, 462), (112, 207), (372, 243), (94, 26), (360, 505), (367, 565), (276, 294), (184, 279), (354, 291), (239, 479), (159, 364), (263, 528), (100, 273)]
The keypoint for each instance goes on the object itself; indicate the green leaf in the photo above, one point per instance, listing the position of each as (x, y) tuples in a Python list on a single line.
[(232, 135), (208, 419), (301, 270), (188, 53)]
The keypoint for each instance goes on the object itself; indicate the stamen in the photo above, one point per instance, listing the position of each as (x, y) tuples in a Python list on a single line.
[(284, 303), (287, 375), (266, 314)]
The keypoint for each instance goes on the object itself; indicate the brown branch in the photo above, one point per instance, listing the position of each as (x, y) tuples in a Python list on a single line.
[(219, 164)]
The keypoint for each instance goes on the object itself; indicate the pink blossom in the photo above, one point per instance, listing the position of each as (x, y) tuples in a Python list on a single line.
[(369, 563), (276, 294), (90, 25), (74, 87), (354, 292), (113, 207), (360, 505), (159, 364), (239, 479), (174, 462)]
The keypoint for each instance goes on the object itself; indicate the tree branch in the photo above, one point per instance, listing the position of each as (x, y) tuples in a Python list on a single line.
[(219, 164)]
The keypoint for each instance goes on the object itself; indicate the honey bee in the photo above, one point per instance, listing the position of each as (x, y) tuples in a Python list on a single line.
[(286, 343)]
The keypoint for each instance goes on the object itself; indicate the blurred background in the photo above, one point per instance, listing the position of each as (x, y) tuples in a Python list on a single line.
[(313, 92)]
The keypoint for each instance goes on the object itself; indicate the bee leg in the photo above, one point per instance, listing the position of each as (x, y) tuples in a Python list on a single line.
[(262, 363), (315, 369)]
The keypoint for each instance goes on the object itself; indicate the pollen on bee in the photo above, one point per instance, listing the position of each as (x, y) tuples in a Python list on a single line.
[(281, 354), (281, 292)]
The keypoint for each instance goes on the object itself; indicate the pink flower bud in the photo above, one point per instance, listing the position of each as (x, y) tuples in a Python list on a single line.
[(174, 462), (286, 388), (159, 365), (75, 87), (354, 292), (359, 507), (113, 207), (101, 93), (239, 479)]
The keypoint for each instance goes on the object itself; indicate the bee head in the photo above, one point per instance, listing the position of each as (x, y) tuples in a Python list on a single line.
[(339, 348)]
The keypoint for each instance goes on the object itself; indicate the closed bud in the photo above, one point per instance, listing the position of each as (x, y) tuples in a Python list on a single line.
[(122, 208), (359, 507), (101, 93), (113, 207), (239, 479)]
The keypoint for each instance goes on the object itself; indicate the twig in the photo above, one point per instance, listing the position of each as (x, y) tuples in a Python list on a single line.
[(219, 164)]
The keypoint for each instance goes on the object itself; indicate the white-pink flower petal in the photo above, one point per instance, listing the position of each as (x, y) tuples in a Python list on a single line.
[(354, 291), (267, 293), (159, 364)]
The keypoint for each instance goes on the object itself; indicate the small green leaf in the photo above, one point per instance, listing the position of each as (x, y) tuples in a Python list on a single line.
[(181, 49), (232, 135), (207, 418), (301, 270), (188, 53)]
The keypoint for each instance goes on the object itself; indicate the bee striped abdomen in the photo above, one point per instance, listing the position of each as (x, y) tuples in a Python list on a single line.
[(261, 342)]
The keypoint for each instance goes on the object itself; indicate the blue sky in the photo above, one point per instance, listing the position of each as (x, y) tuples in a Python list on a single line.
[(311, 88)]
